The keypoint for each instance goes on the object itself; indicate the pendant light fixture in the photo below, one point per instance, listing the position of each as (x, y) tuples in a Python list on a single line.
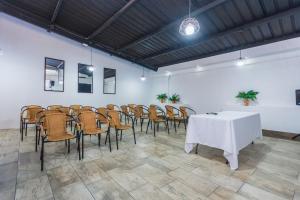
[(241, 60), (143, 78), (190, 25), (91, 67)]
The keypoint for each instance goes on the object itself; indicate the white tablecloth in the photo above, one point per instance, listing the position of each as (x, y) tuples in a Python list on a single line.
[(230, 131)]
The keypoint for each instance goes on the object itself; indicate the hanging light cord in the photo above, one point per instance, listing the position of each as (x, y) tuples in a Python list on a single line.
[(240, 54), (189, 8), (91, 56)]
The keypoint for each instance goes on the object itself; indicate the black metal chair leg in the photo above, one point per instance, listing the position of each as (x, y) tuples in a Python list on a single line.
[(197, 148), (99, 139), (121, 135), (82, 146), (69, 144), (184, 122), (148, 126), (154, 129), (109, 140), (39, 136), (42, 155), (78, 145), (117, 139), (26, 125), (106, 138), (36, 136), (142, 121), (168, 126), (134, 134), (175, 125)]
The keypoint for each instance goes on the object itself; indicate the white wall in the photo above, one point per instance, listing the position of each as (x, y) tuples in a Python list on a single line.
[(22, 71), (276, 75)]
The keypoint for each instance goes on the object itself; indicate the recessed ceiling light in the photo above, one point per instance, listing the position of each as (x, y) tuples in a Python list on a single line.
[(85, 44), (168, 73), (143, 78), (240, 62), (199, 68)]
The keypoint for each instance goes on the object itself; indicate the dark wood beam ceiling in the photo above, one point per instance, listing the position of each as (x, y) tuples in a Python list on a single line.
[(43, 23), (168, 26), (224, 33), (113, 18), (56, 11), (143, 32)]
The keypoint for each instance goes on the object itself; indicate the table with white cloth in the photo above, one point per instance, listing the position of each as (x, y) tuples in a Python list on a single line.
[(230, 131)]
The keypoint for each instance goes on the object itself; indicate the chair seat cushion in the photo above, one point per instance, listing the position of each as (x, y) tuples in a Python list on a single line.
[(123, 127), (56, 138), (93, 131)]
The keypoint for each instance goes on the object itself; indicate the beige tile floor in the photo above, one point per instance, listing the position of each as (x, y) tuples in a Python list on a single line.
[(154, 168)]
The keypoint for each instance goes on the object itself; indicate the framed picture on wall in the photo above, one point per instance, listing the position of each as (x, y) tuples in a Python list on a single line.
[(54, 75), (109, 81), (85, 78)]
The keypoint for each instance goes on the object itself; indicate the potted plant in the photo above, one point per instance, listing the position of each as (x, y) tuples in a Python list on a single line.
[(162, 97), (174, 98), (247, 96)]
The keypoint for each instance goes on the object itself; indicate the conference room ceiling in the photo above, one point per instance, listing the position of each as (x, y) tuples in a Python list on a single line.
[(146, 31)]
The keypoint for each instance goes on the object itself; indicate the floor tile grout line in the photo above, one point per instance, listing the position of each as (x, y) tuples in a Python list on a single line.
[(17, 166), (83, 182)]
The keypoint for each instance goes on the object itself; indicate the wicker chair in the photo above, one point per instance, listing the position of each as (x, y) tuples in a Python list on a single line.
[(70, 119), (88, 126), (113, 107), (115, 122), (184, 113), (86, 108), (54, 107), (131, 108), (23, 115), (125, 113), (139, 113), (175, 117), (29, 118), (74, 109), (56, 132), (102, 116), (40, 118), (156, 119)]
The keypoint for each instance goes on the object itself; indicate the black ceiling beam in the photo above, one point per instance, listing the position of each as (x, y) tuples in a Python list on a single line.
[(114, 17), (232, 49), (56, 11), (166, 27), (224, 33), (44, 23)]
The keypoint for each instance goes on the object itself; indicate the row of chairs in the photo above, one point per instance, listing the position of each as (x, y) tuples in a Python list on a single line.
[(51, 123)]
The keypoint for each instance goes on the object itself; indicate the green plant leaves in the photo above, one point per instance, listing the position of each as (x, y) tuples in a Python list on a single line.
[(162, 96), (251, 95)]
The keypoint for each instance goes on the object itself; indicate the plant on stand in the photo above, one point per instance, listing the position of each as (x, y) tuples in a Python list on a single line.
[(247, 96), (162, 97), (175, 98)]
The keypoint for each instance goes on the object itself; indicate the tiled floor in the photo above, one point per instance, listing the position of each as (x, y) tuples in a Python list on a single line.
[(154, 168)]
